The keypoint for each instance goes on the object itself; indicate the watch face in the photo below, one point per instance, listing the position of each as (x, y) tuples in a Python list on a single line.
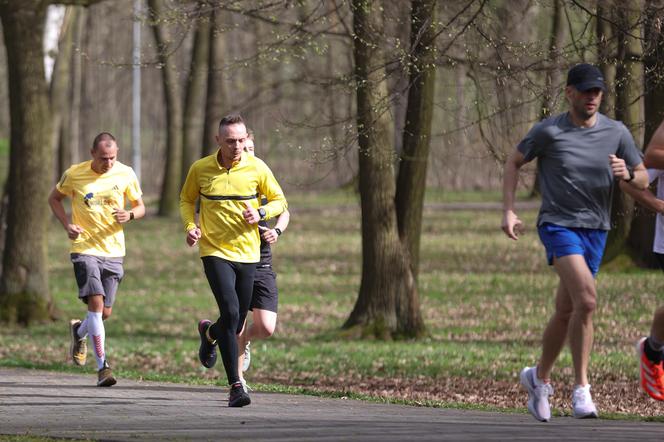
[(261, 212)]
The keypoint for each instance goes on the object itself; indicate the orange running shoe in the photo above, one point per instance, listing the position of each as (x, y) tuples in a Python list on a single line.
[(652, 374)]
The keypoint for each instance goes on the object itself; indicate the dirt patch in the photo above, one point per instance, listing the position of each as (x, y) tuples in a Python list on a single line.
[(612, 397)]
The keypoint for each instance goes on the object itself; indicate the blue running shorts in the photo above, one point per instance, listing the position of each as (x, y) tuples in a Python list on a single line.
[(561, 241)]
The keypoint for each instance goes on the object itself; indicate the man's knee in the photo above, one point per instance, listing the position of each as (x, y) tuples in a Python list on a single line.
[(263, 330), (563, 312), (231, 318), (264, 324), (586, 303), (95, 303)]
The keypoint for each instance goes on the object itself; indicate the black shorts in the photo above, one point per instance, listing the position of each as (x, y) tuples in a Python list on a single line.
[(660, 260), (265, 295)]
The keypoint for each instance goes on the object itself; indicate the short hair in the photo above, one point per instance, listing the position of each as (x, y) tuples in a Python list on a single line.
[(231, 119), (101, 138)]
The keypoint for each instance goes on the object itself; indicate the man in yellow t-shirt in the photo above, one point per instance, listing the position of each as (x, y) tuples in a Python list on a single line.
[(99, 190), (228, 184)]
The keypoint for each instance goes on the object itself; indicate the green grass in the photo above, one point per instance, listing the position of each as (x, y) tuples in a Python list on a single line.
[(485, 300)]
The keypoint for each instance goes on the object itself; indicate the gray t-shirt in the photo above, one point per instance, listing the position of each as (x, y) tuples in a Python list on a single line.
[(574, 170)]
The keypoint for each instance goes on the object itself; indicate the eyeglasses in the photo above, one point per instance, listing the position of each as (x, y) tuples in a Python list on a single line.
[(234, 140)]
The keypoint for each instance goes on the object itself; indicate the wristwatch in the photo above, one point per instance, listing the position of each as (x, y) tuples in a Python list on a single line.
[(278, 230), (131, 215), (261, 212), (631, 174)]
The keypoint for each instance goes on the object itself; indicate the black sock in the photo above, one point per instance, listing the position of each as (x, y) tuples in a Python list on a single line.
[(653, 355)]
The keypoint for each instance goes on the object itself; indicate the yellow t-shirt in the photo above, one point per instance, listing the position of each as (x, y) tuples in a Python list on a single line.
[(94, 197), (223, 194)]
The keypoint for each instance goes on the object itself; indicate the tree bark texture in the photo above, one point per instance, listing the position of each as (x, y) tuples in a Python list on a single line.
[(629, 77), (411, 183), (553, 72), (24, 293), (216, 91), (606, 53), (194, 106), (552, 78), (170, 188), (383, 306), (59, 90), (71, 135)]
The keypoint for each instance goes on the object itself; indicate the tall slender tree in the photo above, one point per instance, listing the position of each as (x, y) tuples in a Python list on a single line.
[(194, 107), (71, 129), (411, 184), (170, 188), (60, 88), (606, 55), (553, 75), (628, 84), (24, 292), (215, 99), (385, 305)]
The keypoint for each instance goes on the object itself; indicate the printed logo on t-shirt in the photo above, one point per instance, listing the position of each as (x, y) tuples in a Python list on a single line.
[(101, 199)]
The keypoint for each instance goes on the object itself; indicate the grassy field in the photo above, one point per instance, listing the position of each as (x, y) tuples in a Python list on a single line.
[(485, 300)]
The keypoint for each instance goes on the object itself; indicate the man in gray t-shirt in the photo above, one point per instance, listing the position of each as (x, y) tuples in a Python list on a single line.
[(575, 174), (581, 154)]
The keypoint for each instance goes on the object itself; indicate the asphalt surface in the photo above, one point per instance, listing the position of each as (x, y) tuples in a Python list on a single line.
[(71, 406)]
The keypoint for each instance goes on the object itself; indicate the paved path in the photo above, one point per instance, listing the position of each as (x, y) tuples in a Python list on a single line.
[(70, 406)]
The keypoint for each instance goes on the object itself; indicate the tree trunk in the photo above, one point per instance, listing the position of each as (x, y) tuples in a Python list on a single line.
[(24, 293), (642, 231), (170, 189), (552, 77), (194, 107), (216, 92), (411, 184), (629, 77), (59, 90), (71, 135), (606, 54), (553, 72), (383, 306)]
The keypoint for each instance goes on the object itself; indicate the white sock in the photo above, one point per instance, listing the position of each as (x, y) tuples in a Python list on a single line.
[(82, 331), (97, 337)]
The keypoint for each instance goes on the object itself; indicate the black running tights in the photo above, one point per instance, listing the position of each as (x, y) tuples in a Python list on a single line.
[(232, 284)]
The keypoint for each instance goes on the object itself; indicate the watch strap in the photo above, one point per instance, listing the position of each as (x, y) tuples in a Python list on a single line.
[(631, 174)]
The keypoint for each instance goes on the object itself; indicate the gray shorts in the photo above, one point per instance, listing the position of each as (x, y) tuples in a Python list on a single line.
[(97, 275)]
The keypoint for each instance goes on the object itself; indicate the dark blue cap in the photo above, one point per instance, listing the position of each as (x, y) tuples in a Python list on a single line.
[(585, 76)]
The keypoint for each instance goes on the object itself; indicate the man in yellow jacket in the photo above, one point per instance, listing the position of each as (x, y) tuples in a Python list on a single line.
[(228, 184), (99, 189)]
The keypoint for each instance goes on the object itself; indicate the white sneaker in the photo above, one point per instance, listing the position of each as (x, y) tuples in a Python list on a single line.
[(246, 387), (247, 356), (582, 404), (538, 394)]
